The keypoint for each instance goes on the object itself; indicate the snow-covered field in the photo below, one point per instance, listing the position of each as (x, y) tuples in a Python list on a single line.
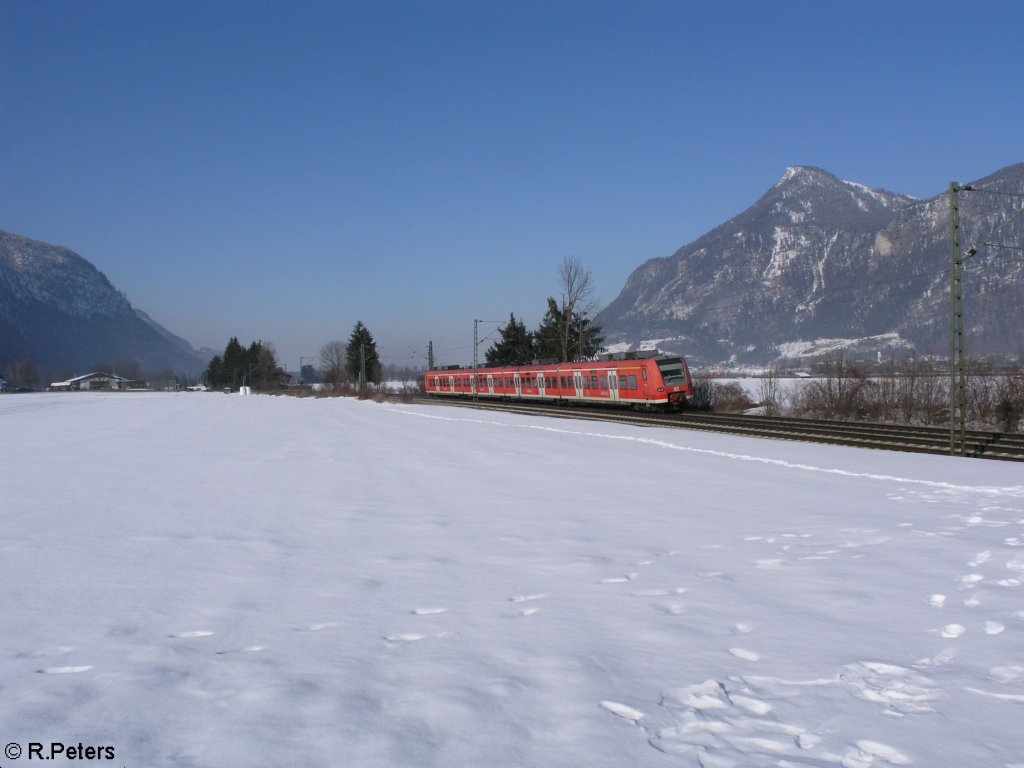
[(213, 580)]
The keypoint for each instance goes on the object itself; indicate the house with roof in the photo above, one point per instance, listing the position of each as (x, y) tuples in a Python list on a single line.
[(92, 381)]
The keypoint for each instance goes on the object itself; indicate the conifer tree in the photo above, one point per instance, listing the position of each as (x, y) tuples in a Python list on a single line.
[(362, 348), (516, 346), (567, 337)]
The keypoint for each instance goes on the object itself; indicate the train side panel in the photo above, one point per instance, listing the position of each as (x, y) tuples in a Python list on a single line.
[(646, 382)]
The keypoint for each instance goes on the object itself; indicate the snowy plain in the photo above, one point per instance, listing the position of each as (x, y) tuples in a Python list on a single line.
[(199, 579)]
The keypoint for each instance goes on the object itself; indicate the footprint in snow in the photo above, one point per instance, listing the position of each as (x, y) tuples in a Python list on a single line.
[(943, 657), (658, 592), (317, 626), (994, 628), (243, 649), (937, 601), (69, 670), (865, 752), (428, 611), (1007, 674), (979, 558), (619, 579), (953, 631), (624, 711), (191, 635), (743, 653), (673, 609), (405, 637), (526, 598)]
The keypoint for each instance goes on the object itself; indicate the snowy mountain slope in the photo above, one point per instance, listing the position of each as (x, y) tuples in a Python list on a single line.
[(817, 258), (325, 582), (59, 310)]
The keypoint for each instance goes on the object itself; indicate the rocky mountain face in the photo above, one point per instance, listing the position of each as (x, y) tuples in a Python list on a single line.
[(819, 265), (58, 310)]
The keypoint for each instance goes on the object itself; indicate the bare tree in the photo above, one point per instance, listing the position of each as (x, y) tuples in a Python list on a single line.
[(332, 362), (769, 391), (571, 320), (23, 373)]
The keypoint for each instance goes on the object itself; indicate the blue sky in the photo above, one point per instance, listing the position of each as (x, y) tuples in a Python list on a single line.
[(279, 171)]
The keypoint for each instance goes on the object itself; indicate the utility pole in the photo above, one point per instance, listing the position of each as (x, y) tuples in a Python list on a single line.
[(957, 364), (476, 355), (430, 355), (476, 352), (362, 366)]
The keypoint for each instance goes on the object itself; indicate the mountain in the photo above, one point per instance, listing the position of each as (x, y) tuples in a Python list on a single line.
[(57, 309), (819, 264)]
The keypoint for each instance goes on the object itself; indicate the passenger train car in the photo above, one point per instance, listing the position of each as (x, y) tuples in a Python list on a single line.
[(643, 382)]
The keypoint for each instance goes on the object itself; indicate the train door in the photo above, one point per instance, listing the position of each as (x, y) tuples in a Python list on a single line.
[(519, 386), (490, 383), (451, 384), (613, 385), (541, 381), (578, 379)]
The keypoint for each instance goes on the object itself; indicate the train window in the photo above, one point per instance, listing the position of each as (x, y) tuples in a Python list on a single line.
[(632, 382), (623, 382), (604, 382)]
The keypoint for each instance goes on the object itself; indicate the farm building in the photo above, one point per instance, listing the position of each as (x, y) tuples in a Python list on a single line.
[(92, 381)]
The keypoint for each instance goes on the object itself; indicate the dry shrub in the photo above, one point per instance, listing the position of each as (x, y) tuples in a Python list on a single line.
[(731, 397)]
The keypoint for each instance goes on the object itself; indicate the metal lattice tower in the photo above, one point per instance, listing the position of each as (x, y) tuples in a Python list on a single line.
[(957, 364)]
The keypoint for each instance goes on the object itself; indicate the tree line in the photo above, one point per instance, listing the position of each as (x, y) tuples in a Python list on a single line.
[(353, 363), (253, 366), (356, 362), (906, 392), (27, 374), (567, 331)]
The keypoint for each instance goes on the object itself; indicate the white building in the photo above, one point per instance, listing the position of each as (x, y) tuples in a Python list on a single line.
[(92, 381)]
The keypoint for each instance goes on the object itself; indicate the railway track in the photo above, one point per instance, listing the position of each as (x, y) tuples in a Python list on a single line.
[(891, 437)]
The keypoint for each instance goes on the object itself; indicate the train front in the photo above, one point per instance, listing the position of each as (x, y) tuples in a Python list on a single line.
[(677, 382)]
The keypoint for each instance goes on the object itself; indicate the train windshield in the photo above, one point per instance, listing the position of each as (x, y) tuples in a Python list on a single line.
[(673, 370)]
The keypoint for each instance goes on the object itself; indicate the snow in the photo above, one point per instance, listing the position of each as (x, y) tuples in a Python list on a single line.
[(205, 580), (803, 348)]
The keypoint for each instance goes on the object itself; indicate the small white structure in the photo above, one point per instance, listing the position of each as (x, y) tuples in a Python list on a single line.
[(92, 381)]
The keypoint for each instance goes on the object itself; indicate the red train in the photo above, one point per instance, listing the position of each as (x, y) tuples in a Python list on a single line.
[(643, 382)]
